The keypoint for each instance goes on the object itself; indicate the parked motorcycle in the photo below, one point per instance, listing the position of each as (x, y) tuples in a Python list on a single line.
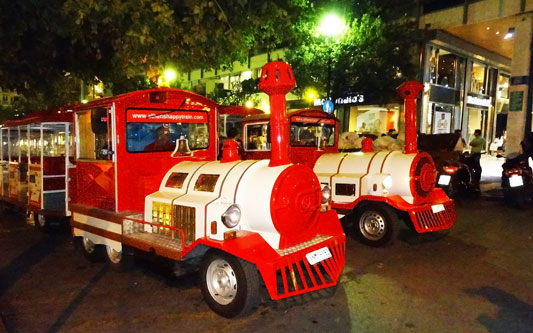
[(456, 173), (517, 176)]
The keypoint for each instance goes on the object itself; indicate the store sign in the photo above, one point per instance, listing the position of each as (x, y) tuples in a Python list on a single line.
[(478, 101), (354, 99), (516, 102)]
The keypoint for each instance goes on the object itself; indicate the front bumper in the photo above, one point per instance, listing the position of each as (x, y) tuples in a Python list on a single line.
[(292, 274)]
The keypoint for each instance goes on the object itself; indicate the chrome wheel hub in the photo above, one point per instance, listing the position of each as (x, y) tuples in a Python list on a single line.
[(41, 220), (114, 256), (88, 245), (221, 281), (372, 225)]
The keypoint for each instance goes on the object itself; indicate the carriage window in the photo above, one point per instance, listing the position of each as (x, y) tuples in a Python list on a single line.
[(54, 140), (313, 132), (176, 180), (206, 183), (256, 137), (5, 142), (158, 131), (23, 142), (93, 135), (14, 143)]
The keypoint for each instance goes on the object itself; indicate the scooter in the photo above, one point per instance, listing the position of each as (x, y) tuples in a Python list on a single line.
[(457, 177), (517, 181)]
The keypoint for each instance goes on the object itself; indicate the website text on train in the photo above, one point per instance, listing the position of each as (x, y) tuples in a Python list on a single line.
[(147, 178), (372, 189)]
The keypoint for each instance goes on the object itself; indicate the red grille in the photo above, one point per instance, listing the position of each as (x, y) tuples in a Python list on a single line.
[(294, 275), (425, 220)]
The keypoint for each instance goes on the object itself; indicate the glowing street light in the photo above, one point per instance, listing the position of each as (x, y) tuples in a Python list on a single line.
[(331, 25), (169, 75)]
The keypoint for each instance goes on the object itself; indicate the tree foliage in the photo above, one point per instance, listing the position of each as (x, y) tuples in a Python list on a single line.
[(46, 44), (372, 57)]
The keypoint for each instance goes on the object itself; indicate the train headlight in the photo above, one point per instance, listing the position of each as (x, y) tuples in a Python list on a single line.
[(387, 182), (232, 216), (326, 194)]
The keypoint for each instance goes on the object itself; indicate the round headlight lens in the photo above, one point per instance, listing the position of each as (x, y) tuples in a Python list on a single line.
[(387, 182), (326, 194), (232, 216)]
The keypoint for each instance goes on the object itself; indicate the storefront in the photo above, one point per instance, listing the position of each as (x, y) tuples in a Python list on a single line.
[(463, 91), (355, 116)]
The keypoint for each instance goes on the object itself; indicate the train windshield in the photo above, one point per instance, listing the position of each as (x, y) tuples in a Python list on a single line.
[(311, 132), (158, 131)]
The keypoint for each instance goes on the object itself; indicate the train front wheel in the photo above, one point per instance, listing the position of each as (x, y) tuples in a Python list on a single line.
[(230, 285), (376, 224)]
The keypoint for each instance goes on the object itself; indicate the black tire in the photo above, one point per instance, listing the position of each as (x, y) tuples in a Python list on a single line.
[(241, 294), (376, 224), (41, 221), (92, 252), (119, 261)]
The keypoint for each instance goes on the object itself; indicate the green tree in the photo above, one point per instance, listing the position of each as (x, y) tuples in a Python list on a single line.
[(372, 57), (126, 43)]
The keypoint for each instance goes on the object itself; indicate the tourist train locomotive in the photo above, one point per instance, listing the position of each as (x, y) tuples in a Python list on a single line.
[(372, 189), (35, 164), (239, 221)]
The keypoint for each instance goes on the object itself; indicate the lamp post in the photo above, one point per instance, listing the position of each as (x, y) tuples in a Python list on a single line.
[(332, 28)]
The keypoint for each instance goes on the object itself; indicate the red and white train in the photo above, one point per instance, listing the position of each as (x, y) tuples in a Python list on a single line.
[(35, 163), (372, 189), (147, 178)]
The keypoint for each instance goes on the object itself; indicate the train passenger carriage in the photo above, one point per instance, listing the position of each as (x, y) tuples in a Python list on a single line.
[(36, 163), (148, 178)]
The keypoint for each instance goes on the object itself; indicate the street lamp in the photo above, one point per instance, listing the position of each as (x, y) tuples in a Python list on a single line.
[(332, 27)]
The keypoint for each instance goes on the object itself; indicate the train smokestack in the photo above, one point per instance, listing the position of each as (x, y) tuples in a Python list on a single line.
[(409, 91), (276, 81)]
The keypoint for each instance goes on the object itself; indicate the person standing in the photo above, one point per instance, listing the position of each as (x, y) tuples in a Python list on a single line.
[(477, 144)]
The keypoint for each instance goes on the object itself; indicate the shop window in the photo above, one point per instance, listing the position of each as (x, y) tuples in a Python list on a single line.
[(373, 119), (477, 79), (503, 87), (445, 68), (443, 118)]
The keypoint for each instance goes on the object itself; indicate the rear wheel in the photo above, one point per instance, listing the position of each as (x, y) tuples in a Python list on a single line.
[(92, 252), (376, 224), (119, 260), (41, 221), (230, 285)]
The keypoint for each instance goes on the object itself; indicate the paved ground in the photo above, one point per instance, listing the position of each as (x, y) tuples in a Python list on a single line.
[(478, 278)]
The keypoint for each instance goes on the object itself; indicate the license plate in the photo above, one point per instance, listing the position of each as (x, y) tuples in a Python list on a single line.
[(437, 208), (444, 179), (318, 255), (516, 180)]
